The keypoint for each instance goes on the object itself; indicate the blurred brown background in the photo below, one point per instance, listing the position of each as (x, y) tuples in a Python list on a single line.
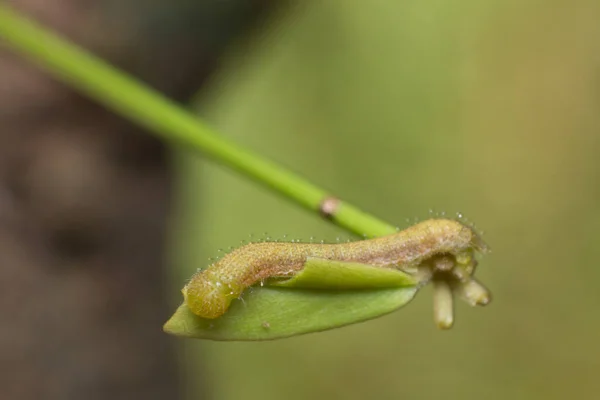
[(489, 108), (84, 197)]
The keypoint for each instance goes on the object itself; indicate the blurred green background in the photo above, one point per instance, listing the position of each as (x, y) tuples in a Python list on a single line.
[(488, 108)]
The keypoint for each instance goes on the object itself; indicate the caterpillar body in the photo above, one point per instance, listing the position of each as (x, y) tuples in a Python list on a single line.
[(210, 292)]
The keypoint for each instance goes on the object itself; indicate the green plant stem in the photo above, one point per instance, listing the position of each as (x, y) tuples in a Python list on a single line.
[(137, 102)]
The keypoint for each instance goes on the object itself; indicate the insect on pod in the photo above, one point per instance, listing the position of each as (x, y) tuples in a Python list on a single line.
[(438, 250)]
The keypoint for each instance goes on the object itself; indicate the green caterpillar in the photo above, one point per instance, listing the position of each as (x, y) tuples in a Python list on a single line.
[(429, 248)]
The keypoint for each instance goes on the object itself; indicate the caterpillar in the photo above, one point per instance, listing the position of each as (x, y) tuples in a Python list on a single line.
[(430, 249)]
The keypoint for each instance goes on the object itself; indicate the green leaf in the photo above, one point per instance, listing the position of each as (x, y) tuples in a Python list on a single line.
[(320, 273), (324, 295), (271, 313)]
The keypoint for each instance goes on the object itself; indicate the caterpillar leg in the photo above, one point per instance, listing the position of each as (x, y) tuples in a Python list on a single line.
[(443, 304), (452, 274), (467, 287), (473, 293)]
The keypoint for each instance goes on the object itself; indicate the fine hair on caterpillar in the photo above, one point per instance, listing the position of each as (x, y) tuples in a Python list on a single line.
[(435, 249)]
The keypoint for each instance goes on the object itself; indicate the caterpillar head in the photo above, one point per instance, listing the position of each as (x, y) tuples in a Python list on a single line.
[(208, 296)]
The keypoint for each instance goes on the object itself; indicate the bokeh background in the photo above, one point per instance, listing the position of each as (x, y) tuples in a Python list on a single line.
[(489, 108)]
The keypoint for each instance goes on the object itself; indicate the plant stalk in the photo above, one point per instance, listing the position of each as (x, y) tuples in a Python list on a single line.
[(139, 103)]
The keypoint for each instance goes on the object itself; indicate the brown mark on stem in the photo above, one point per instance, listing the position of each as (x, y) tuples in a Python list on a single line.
[(329, 207)]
